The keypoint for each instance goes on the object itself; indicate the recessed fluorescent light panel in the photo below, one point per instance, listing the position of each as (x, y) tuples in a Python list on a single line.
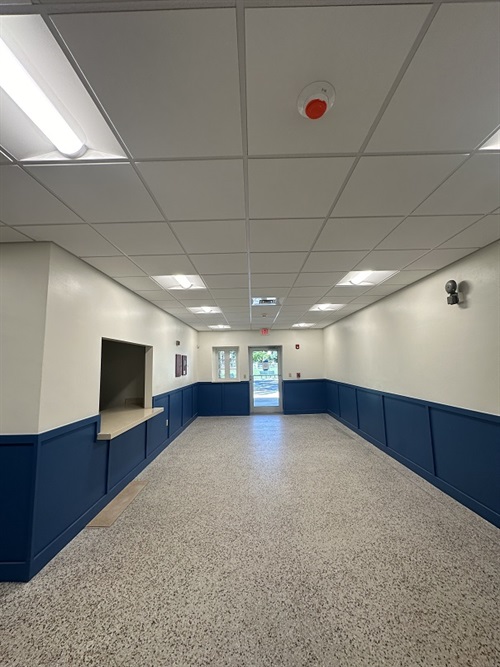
[(493, 143), (219, 326), (45, 112), (29, 97), (327, 306), (180, 282), (205, 310), (368, 278), (303, 325), (265, 301)]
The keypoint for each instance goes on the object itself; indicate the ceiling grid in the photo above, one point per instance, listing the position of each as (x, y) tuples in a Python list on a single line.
[(221, 177)]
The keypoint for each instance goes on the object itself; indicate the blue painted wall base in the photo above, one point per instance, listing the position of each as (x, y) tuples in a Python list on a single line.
[(53, 484), (456, 450)]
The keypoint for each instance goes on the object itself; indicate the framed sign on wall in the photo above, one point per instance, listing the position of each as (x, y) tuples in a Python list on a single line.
[(178, 365), (184, 364)]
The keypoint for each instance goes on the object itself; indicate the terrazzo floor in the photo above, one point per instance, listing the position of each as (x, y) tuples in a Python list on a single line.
[(268, 541)]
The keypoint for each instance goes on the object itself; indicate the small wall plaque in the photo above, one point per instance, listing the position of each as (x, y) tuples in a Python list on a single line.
[(178, 365)]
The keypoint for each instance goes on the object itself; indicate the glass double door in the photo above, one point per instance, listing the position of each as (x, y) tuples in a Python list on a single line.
[(265, 379)]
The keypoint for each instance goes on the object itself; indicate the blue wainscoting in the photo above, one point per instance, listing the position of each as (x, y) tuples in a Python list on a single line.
[(304, 397), (54, 483), (222, 399), (456, 450)]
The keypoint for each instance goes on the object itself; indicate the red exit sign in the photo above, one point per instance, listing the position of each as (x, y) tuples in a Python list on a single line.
[(264, 332)]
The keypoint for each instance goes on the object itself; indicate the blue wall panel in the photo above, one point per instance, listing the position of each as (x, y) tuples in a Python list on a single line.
[(348, 404), (175, 419), (195, 400), (209, 399), (236, 398), (408, 431), (371, 414), (456, 450), (187, 404), (219, 399), (71, 477), (53, 484), (332, 398), (304, 396), (157, 431), (467, 454), (126, 451), (17, 464)]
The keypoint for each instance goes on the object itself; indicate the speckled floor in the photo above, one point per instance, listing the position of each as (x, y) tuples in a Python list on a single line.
[(268, 541)]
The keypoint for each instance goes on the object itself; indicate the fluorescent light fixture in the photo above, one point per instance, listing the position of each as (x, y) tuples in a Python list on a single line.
[(205, 310), (179, 282), (327, 306), (368, 278), (303, 325), (360, 278), (184, 281), (29, 97), (219, 326), (493, 143)]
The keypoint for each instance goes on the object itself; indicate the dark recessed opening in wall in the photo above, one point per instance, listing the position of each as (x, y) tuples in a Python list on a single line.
[(126, 375)]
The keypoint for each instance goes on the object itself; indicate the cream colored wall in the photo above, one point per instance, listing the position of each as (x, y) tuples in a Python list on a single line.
[(308, 360), (413, 343), (24, 271), (55, 311), (83, 307)]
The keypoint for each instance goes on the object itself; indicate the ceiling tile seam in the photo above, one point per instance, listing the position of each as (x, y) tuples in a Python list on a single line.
[(352, 154), (46, 187), (30, 238), (486, 215), (83, 79), (228, 158), (242, 80), (93, 95), (392, 91), (433, 247), (110, 6), (86, 84), (472, 153)]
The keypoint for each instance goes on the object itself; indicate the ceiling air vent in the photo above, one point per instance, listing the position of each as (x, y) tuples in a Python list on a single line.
[(265, 301)]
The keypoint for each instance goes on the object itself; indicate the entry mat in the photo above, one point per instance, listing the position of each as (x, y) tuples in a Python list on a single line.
[(117, 506)]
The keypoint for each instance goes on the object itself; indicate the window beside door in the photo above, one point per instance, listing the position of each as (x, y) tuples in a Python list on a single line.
[(225, 364)]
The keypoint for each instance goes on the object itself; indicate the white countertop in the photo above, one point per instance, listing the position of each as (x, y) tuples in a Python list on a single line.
[(116, 421)]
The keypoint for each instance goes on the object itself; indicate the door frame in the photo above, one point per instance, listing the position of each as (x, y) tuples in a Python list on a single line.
[(268, 408)]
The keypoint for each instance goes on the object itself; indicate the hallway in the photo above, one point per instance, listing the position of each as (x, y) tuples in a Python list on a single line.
[(267, 541)]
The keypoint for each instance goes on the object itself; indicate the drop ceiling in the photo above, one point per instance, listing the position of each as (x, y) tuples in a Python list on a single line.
[(220, 175)]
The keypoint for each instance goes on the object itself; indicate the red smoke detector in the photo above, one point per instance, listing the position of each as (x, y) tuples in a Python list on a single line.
[(316, 99)]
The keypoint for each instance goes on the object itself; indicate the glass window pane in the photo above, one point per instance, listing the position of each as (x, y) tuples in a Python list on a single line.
[(221, 365), (233, 369)]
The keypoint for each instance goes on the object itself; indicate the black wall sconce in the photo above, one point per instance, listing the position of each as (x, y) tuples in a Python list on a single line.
[(451, 289)]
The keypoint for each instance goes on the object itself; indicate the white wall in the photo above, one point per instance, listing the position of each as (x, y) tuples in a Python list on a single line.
[(24, 271), (83, 307), (308, 360), (80, 307), (413, 343)]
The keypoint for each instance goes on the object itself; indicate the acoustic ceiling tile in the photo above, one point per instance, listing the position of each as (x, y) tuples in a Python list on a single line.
[(100, 192), (393, 185), (141, 238), (197, 189), (295, 188)]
